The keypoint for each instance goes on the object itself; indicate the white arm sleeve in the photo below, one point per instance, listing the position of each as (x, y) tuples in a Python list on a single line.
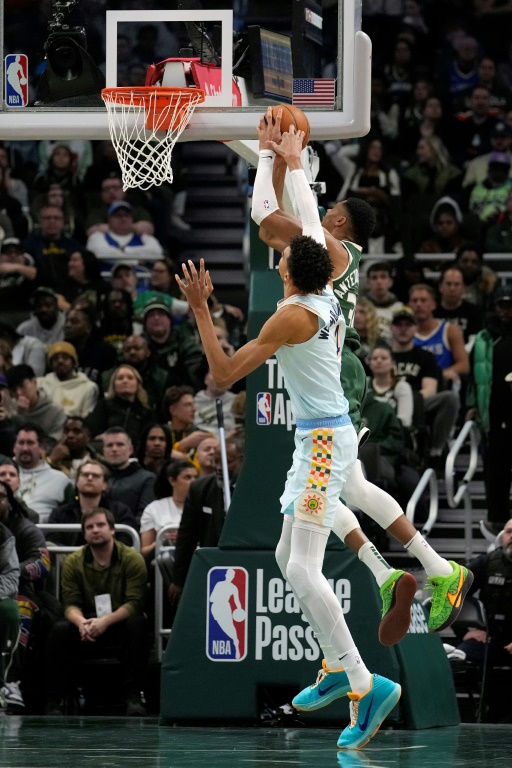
[(264, 200), (308, 210)]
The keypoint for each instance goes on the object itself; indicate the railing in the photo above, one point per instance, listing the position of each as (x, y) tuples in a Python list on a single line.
[(428, 478), (59, 549), (454, 497), (160, 631)]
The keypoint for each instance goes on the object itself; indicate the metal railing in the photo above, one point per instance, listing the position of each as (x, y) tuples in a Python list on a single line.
[(429, 479), (160, 630), (454, 497), (60, 549)]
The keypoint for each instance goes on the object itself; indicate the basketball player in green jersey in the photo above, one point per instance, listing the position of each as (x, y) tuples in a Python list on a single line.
[(350, 222)]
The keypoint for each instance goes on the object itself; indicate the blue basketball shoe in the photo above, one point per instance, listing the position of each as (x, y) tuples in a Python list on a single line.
[(330, 685), (368, 712)]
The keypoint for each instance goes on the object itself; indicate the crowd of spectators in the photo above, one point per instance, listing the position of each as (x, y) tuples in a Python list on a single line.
[(107, 409)]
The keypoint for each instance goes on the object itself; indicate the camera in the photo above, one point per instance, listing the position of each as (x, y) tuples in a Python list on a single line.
[(71, 77)]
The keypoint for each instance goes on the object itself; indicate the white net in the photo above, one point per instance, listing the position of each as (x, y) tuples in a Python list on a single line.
[(144, 125)]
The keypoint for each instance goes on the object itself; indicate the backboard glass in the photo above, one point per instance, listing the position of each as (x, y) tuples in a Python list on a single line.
[(245, 55)]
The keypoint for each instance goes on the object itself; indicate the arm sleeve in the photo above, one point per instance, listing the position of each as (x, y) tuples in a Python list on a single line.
[(308, 209), (264, 200), (404, 403)]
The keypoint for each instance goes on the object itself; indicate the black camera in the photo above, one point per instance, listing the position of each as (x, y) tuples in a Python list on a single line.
[(71, 77)]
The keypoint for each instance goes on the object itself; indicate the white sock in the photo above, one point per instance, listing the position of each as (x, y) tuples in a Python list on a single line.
[(373, 560), (358, 675), (434, 564)]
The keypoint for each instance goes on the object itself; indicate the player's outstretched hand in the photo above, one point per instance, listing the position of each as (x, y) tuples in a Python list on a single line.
[(269, 129), (197, 287), (290, 147)]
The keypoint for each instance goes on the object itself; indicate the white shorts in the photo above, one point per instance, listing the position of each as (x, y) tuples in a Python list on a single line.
[(325, 452)]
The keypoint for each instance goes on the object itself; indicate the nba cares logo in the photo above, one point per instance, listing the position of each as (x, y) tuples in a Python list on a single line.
[(16, 80), (226, 613), (263, 408)]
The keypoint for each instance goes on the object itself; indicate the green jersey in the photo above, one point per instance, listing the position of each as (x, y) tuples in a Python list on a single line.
[(346, 285)]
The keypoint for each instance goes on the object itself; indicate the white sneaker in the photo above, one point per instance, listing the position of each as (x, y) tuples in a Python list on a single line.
[(12, 696), (178, 223)]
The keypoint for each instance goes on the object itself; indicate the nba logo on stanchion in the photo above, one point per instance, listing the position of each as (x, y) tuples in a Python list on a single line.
[(226, 614), (263, 408), (16, 80)]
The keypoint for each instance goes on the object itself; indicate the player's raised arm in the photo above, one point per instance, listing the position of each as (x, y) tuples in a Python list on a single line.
[(276, 227), (290, 149), (226, 370)]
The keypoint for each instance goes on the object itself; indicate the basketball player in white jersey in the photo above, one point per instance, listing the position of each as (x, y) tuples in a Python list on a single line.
[(341, 225), (306, 334)]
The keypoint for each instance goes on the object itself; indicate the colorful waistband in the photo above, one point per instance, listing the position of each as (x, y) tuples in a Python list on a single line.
[(333, 421)]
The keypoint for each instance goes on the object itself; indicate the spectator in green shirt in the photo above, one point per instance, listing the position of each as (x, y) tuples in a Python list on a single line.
[(103, 592)]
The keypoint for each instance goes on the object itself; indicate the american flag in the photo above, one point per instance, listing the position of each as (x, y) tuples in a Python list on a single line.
[(313, 91)]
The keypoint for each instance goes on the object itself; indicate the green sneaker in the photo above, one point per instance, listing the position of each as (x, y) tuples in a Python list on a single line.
[(397, 594), (447, 596)]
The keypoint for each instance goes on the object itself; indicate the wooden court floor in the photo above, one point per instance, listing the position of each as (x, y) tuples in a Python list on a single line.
[(88, 742)]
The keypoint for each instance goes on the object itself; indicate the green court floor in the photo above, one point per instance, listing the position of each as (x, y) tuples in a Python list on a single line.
[(38, 742)]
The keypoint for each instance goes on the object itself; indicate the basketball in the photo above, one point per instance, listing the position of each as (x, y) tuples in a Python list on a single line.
[(23, 80), (293, 116), (238, 614)]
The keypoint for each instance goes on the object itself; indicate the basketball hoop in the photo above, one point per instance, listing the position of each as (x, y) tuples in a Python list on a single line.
[(145, 124)]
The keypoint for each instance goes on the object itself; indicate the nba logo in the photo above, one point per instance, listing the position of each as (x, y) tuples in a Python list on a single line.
[(16, 80), (263, 408), (226, 614)]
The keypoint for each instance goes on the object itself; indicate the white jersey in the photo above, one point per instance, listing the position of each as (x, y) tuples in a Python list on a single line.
[(312, 369)]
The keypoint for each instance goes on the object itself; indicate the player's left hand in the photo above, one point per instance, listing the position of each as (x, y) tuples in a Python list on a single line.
[(291, 144), (198, 287)]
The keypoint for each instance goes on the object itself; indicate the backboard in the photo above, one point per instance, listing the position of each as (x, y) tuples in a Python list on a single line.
[(245, 55)]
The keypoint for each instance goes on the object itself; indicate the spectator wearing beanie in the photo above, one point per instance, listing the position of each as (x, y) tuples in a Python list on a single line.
[(65, 385)]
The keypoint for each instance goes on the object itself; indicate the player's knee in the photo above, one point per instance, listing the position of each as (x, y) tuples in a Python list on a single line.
[(299, 579)]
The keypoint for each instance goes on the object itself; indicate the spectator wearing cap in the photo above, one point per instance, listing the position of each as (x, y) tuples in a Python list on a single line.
[(123, 277), (24, 349), (112, 192), (419, 368), (51, 248), (121, 242), (17, 275), (69, 388), (173, 349), (47, 322), (499, 236), (490, 402), (488, 199), (34, 404), (477, 169)]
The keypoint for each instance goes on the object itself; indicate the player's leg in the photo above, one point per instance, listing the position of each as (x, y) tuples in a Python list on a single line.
[(372, 697), (397, 588), (449, 580)]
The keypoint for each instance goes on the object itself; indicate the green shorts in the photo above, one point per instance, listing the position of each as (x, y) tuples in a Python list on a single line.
[(354, 383)]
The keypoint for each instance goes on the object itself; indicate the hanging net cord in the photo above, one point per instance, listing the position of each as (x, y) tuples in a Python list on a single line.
[(144, 125)]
